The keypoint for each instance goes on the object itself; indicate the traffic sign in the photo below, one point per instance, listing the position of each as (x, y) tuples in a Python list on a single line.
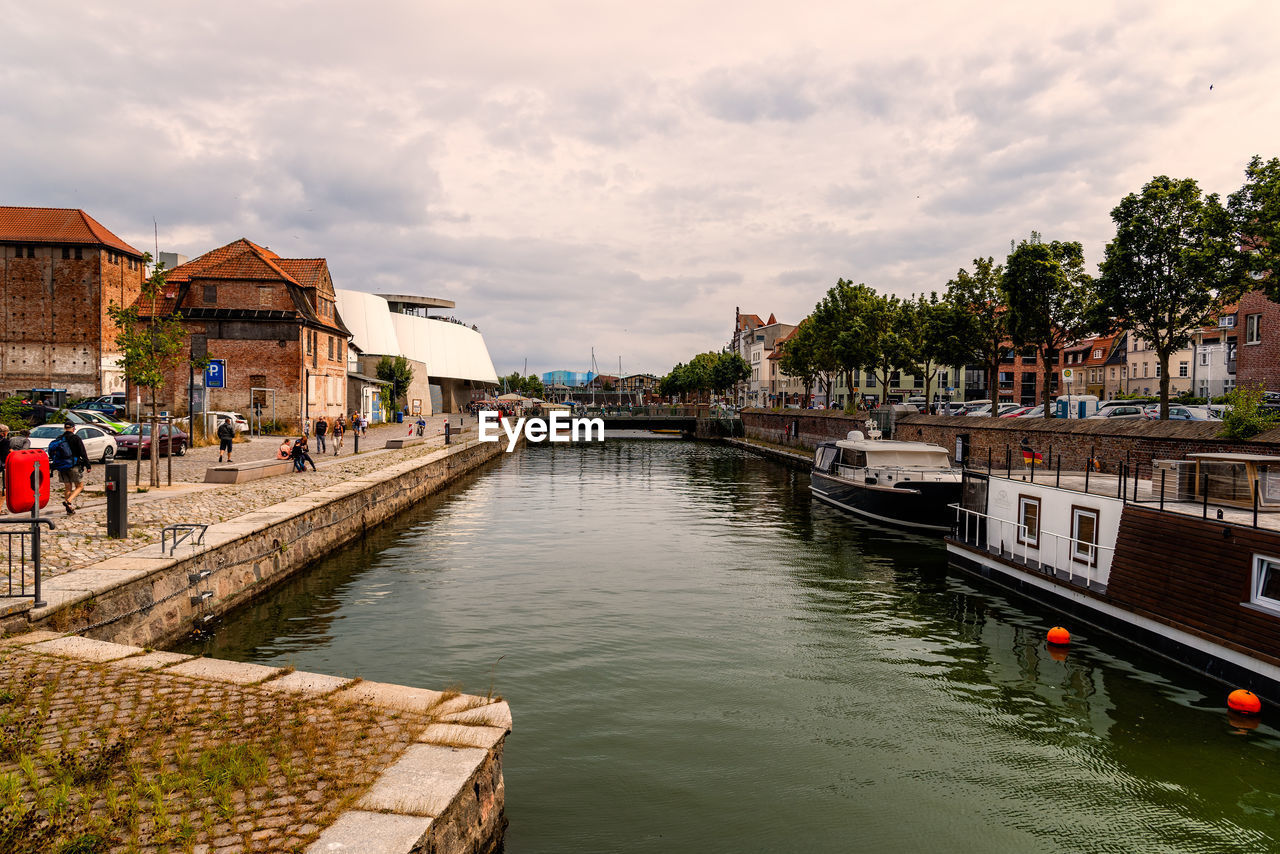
[(215, 374), (1067, 374)]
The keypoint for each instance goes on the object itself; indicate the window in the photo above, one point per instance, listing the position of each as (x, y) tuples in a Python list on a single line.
[(66, 253), (330, 337), (210, 294), (1029, 521), (1204, 359), (1084, 535), (1183, 368), (1252, 328), (871, 380), (1266, 582), (1146, 368), (79, 254), (944, 379), (1157, 370), (917, 382), (1097, 354), (1113, 373)]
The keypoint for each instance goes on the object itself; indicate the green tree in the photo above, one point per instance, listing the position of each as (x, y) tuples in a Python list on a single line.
[(395, 370), (729, 370), (151, 346), (1255, 214), (1165, 271), (935, 335), (532, 386), (1049, 298), (1246, 417), (800, 358), (983, 331)]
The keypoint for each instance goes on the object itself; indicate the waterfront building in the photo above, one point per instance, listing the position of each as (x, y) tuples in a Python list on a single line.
[(640, 387), (784, 389), (567, 379), (1144, 369), (1213, 366), (449, 360), (754, 340), (902, 386), (273, 324), (62, 270), (1088, 360)]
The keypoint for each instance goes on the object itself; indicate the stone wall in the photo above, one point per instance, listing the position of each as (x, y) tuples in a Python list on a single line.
[(146, 598), (1109, 441), (799, 428)]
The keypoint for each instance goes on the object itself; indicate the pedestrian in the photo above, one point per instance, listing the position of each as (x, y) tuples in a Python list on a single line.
[(285, 451), (301, 457), (322, 428), (306, 427), (68, 458), (339, 428), (422, 425), (4, 452), (226, 435)]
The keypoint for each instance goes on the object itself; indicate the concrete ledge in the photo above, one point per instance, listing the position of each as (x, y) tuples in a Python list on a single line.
[(405, 442), (87, 649), (360, 832), (218, 670), (424, 781), (241, 472)]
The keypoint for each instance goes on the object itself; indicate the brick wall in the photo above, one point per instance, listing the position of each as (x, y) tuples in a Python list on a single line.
[(54, 328), (810, 427), (1109, 441), (1258, 364)]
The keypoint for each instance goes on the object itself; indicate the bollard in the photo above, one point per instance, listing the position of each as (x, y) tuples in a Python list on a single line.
[(447, 428), (117, 487)]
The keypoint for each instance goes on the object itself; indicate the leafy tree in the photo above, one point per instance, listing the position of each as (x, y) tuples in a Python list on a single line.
[(1165, 271), (533, 387), (1049, 298), (1246, 417), (150, 346), (729, 370), (983, 333), (395, 370), (935, 335), (800, 357), (1255, 214)]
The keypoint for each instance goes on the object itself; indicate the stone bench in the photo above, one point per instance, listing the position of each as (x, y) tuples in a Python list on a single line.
[(252, 470), (406, 441)]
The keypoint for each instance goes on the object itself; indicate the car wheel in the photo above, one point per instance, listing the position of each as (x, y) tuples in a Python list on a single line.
[(181, 450), (108, 454)]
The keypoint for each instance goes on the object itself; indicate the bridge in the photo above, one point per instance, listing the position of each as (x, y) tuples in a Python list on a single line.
[(700, 420)]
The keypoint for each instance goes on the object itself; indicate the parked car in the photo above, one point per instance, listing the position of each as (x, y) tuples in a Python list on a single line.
[(99, 444), (1033, 412), (138, 436), (1124, 411), (1016, 412), (214, 418), (1178, 412), (99, 419)]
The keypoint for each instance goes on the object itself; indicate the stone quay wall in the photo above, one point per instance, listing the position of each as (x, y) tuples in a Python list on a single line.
[(149, 598), (1111, 442)]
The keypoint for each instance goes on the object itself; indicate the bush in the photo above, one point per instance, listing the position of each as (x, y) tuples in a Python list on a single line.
[(14, 412), (1247, 417)]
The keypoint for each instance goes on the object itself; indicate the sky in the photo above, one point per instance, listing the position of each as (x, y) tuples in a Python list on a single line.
[(621, 176)]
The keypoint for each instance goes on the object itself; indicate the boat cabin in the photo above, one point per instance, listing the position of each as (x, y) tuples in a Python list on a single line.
[(883, 462)]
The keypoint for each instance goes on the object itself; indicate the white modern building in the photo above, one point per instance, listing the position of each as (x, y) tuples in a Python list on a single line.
[(449, 359)]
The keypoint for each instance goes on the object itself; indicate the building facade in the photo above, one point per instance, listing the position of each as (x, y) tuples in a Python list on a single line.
[(1258, 336), (273, 323), (62, 271)]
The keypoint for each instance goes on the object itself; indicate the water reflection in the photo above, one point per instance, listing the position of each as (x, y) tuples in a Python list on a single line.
[(702, 658)]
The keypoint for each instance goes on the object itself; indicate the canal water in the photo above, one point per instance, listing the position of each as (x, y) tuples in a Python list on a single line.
[(701, 658)]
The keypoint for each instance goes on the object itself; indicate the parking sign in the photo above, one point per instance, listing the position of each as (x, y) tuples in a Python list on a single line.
[(215, 374)]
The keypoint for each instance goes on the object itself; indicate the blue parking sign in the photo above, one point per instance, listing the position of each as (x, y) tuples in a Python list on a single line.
[(215, 374)]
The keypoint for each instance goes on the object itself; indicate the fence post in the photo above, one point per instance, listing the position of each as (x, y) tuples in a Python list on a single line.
[(36, 476), (1204, 493), (1122, 478), (1255, 502), (1058, 478), (1136, 470), (1163, 472), (1088, 464)]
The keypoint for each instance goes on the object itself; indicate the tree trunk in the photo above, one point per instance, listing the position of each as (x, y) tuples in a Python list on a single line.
[(928, 380), (1164, 384), (993, 384), (1047, 372)]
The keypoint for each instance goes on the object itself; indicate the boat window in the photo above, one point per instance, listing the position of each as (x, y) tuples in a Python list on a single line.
[(826, 456), (1029, 521), (857, 459), (1266, 582), (1084, 535)]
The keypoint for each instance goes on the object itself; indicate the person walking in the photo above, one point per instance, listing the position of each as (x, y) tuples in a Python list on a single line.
[(226, 436), (68, 458), (339, 428), (306, 427), (322, 429)]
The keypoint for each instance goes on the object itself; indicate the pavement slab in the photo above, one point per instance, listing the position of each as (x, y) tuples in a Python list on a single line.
[(424, 780)]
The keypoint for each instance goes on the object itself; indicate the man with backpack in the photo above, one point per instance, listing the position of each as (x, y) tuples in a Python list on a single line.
[(68, 458), (226, 436), (322, 427)]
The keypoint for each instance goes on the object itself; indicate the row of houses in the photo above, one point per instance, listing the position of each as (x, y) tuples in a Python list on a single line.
[(1241, 347), (285, 339)]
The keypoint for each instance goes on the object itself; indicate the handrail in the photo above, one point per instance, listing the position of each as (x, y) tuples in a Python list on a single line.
[(1022, 531)]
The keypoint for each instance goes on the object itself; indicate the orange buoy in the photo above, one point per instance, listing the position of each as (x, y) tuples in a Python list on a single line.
[(1244, 702), (1059, 635)]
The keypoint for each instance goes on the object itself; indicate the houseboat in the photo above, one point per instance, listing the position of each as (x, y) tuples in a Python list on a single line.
[(911, 484), (1187, 565)]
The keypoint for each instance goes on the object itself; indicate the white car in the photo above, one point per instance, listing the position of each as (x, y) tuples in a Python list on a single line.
[(99, 444), (213, 419)]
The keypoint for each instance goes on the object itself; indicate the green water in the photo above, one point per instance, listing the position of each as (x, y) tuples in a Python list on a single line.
[(701, 658)]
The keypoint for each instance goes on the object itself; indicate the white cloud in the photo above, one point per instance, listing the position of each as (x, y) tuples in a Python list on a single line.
[(623, 175)]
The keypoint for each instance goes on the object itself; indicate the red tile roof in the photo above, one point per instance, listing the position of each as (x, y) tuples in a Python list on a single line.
[(240, 259), (308, 272), (57, 225)]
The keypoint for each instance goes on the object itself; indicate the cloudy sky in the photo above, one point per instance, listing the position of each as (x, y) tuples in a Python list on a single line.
[(622, 175)]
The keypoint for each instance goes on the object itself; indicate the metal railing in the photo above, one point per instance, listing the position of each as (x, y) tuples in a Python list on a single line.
[(973, 528), (22, 553)]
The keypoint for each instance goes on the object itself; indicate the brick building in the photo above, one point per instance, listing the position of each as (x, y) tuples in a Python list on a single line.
[(275, 323), (1258, 342), (62, 271)]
